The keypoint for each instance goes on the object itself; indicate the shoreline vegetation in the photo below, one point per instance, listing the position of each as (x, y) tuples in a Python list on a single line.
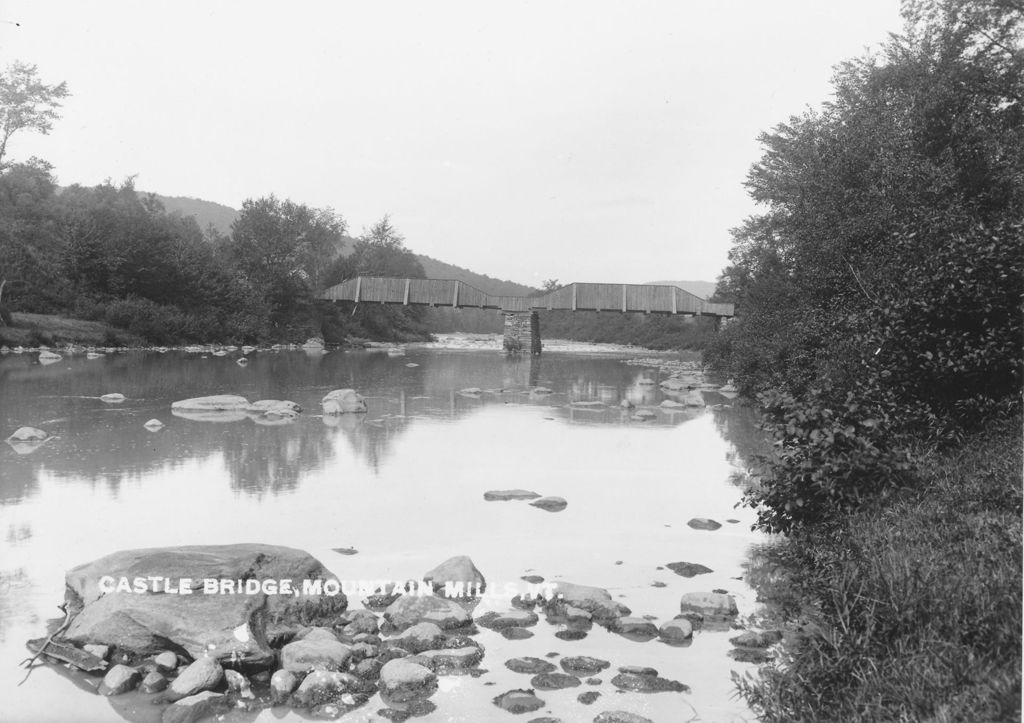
[(879, 332)]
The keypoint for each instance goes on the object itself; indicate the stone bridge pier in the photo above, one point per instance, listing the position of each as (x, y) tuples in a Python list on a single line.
[(522, 332)]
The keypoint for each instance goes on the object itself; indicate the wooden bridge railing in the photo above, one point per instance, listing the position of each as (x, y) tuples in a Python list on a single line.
[(579, 296)]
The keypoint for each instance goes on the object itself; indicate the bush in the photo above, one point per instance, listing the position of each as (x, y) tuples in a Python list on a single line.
[(827, 459)]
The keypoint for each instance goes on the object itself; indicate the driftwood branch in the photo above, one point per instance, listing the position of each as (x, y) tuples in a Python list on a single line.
[(28, 662)]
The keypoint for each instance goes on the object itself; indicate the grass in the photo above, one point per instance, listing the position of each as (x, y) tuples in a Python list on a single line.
[(33, 330), (908, 612)]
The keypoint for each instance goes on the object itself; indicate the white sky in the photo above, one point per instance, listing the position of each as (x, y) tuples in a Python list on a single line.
[(584, 141)]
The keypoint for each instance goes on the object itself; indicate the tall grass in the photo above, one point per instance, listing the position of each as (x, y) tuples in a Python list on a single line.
[(906, 612)]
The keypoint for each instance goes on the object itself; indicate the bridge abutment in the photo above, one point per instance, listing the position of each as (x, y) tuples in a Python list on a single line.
[(522, 332)]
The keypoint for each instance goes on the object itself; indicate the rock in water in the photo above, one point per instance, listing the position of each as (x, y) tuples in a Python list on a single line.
[(530, 666), (711, 604), (688, 569), (154, 682), (114, 398), (223, 625), (582, 665), (154, 425), (119, 679), (204, 674), (550, 504), (594, 600), (620, 716), (321, 686), (418, 638), (343, 401), (408, 610), (215, 403), (456, 570), (282, 683), (676, 631), (402, 681), (506, 495), (195, 708), (703, 523), (28, 434), (304, 655), (519, 701)]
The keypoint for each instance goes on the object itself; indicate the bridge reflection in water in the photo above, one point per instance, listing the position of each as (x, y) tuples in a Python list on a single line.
[(522, 325)]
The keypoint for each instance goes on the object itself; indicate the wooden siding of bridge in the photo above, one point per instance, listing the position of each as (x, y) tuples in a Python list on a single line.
[(572, 297)]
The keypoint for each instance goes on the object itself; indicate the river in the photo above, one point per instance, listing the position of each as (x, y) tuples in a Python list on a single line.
[(402, 484)]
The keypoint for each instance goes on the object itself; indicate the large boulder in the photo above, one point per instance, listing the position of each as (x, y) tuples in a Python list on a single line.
[(343, 401), (106, 608), (26, 440), (458, 569)]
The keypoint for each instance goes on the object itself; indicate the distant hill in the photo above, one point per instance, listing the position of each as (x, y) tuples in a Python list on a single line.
[(205, 212), (496, 287), (703, 289)]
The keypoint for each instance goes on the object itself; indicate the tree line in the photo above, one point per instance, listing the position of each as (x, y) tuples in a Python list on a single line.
[(112, 254)]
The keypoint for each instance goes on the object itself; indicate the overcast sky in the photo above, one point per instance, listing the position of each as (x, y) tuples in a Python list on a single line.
[(584, 141)]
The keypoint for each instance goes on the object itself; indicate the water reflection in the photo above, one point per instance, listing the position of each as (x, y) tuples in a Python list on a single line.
[(109, 445)]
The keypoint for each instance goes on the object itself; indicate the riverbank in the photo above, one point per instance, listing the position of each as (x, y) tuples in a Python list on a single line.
[(35, 330), (906, 611)]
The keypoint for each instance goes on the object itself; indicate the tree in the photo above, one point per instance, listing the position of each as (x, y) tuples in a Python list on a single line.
[(284, 248), (549, 284), (26, 103)]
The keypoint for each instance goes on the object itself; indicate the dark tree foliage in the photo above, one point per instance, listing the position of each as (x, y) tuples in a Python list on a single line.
[(883, 281)]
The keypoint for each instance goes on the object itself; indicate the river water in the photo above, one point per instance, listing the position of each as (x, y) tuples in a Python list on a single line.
[(402, 484)]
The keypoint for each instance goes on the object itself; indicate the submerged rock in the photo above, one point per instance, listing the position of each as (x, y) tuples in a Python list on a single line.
[(343, 401), (620, 716), (506, 495), (703, 523), (154, 425), (221, 625), (648, 684), (581, 665), (113, 398), (550, 504), (530, 666), (751, 639), (519, 701), (214, 403), (26, 440), (636, 628), (688, 569), (554, 681), (509, 619)]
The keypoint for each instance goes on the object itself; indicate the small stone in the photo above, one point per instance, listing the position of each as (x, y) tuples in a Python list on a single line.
[(589, 697), (581, 665), (204, 674), (237, 683), (516, 633), (708, 603), (282, 683), (154, 682), (530, 666), (648, 684), (676, 631), (194, 707), (166, 661), (571, 635), (753, 639), (554, 681), (634, 627), (113, 398), (119, 679), (402, 681), (620, 716), (100, 651), (519, 701), (304, 655), (154, 425), (637, 670), (532, 579), (510, 619)]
